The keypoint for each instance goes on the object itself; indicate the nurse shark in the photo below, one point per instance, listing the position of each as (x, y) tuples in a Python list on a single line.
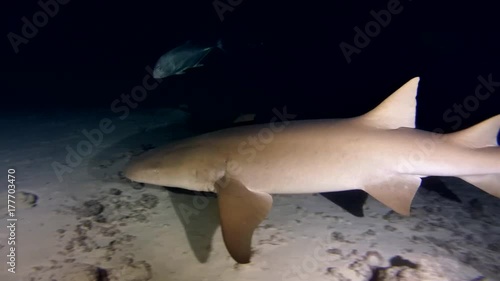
[(380, 152)]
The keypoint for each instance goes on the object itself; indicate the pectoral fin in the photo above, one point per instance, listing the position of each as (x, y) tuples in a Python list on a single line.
[(241, 210), (396, 192)]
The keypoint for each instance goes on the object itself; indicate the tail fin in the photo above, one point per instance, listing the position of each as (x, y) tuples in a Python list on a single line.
[(220, 45), (482, 135)]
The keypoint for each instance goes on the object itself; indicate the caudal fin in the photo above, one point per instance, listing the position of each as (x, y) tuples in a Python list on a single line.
[(482, 136)]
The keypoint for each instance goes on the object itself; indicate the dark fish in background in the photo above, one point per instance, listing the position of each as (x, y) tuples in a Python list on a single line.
[(179, 59)]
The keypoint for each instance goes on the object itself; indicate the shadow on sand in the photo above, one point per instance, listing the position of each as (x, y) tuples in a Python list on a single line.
[(198, 212)]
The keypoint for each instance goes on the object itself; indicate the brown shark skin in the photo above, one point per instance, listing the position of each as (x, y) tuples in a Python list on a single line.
[(379, 152)]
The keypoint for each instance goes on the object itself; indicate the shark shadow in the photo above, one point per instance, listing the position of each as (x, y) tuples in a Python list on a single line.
[(197, 211), (199, 215)]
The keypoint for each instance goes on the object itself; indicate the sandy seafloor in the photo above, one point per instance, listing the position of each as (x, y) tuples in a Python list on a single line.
[(95, 225)]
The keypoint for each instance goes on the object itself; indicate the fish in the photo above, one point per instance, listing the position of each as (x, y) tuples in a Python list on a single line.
[(244, 118), (380, 152), (181, 58)]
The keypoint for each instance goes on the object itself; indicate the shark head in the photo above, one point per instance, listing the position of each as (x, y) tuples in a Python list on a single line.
[(177, 166)]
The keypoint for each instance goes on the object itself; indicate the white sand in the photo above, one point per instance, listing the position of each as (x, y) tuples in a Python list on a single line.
[(305, 237)]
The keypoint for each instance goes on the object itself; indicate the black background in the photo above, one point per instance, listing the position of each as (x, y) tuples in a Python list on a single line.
[(277, 54)]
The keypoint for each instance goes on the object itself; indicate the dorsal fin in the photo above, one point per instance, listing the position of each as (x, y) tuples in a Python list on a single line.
[(398, 110), (480, 135)]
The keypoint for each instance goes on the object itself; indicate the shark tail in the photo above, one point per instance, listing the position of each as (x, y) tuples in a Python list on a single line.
[(482, 136), (220, 45)]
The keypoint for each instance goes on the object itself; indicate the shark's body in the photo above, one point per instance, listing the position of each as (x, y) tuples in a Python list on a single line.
[(379, 152), (179, 59)]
